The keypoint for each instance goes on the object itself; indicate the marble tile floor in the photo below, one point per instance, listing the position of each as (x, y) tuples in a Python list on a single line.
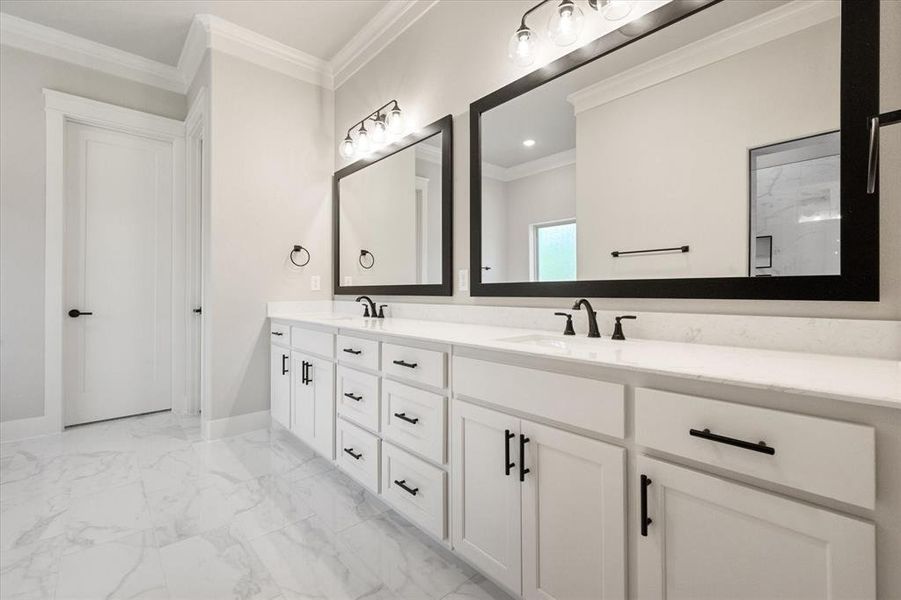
[(143, 508)]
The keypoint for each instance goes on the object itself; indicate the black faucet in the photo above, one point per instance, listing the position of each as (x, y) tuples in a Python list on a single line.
[(568, 330), (618, 327), (592, 317), (369, 305)]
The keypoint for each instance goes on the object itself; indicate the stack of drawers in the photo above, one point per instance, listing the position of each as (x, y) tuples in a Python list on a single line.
[(391, 432)]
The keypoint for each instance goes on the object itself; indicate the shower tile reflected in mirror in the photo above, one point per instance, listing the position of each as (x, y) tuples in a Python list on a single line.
[(795, 207)]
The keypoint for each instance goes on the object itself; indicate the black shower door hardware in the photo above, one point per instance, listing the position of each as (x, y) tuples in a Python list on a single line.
[(617, 253), (403, 417), (354, 454), (405, 364), (645, 520), (402, 485), (722, 439), (508, 435)]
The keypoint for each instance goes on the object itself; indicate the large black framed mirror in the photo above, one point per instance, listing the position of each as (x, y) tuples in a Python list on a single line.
[(392, 217), (708, 149)]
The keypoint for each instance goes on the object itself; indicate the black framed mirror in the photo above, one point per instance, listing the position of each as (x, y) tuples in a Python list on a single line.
[(708, 149), (392, 217)]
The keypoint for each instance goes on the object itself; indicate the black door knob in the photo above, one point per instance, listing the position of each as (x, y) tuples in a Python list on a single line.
[(75, 313)]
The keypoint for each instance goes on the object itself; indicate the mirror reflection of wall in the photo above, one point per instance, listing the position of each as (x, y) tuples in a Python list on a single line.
[(392, 211), (649, 148)]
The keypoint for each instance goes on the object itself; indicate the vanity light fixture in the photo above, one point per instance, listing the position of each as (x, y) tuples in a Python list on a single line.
[(564, 26), (386, 125)]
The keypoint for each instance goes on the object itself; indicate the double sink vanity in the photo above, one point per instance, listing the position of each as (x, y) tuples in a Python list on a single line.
[(568, 467)]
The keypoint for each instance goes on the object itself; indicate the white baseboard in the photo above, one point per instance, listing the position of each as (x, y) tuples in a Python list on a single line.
[(19, 429), (220, 428)]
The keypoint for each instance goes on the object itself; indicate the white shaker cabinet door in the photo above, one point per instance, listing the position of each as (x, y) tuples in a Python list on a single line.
[(280, 386), (313, 401), (487, 497), (573, 516), (709, 538)]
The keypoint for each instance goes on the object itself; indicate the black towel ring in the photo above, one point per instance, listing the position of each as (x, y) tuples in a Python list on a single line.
[(371, 255), (296, 249)]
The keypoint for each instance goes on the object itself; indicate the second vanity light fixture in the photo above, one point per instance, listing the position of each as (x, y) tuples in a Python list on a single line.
[(386, 124), (564, 26)]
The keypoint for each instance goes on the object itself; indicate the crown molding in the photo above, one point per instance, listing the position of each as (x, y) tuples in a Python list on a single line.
[(771, 25), (53, 43), (533, 167), (391, 21)]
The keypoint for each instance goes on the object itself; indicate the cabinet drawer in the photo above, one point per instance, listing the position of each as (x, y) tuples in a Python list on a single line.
[(415, 488), (830, 458), (279, 333), (585, 403), (358, 352), (358, 397), (415, 364), (358, 454), (415, 419), (313, 341)]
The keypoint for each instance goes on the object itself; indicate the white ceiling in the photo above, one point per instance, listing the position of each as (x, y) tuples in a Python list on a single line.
[(156, 29)]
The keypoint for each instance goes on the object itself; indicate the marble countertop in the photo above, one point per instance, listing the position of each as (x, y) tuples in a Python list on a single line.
[(860, 380)]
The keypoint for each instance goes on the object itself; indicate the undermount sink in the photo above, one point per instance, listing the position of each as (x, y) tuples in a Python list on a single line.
[(553, 342)]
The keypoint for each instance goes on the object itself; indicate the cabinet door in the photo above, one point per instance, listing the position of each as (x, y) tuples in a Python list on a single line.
[(710, 538), (487, 509), (303, 406), (573, 516), (280, 386), (313, 402)]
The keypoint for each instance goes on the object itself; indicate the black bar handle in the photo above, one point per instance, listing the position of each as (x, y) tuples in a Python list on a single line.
[(352, 397), (284, 364), (305, 374), (199, 310), (352, 351), (402, 485), (405, 364), (403, 417), (523, 440), (75, 313), (722, 439), (682, 249), (645, 520), (508, 435), (352, 453), (273, 333)]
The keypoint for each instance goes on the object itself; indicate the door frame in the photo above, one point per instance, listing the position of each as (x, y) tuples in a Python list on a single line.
[(60, 109), (196, 235)]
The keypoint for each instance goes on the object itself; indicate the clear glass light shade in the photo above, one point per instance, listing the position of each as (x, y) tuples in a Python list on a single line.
[(346, 147), (362, 143), (565, 23), (395, 124), (614, 10), (379, 131), (522, 47)]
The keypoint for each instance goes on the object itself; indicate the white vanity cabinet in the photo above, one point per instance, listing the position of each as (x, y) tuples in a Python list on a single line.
[(280, 385), (707, 537), (313, 402), (539, 509)]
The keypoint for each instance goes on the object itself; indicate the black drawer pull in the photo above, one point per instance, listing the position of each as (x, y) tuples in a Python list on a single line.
[(284, 364), (403, 417), (508, 435), (352, 453), (523, 440), (722, 439), (645, 520), (273, 333), (352, 351), (401, 485), (352, 397), (405, 364)]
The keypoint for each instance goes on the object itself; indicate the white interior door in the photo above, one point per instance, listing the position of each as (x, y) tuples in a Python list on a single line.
[(712, 539), (573, 517), (118, 267)]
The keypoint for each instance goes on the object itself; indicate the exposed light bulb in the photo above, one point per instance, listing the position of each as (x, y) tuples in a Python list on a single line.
[(379, 130), (521, 48), (566, 23), (395, 125), (362, 144), (614, 10), (528, 143), (346, 148)]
